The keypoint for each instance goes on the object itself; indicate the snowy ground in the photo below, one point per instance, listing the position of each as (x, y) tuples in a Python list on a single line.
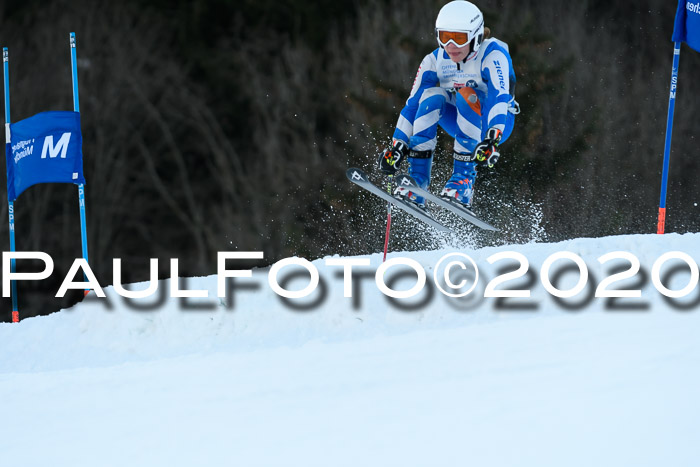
[(359, 382)]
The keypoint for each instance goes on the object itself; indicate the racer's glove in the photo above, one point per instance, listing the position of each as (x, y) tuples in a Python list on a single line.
[(390, 159), (486, 152)]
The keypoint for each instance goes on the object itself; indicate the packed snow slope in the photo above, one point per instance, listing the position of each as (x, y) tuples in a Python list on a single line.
[(333, 381)]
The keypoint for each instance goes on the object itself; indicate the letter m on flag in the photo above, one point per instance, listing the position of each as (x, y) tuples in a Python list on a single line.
[(53, 151), (687, 26), (58, 135)]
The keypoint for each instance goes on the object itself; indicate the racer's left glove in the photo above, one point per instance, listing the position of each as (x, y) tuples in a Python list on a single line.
[(486, 153)]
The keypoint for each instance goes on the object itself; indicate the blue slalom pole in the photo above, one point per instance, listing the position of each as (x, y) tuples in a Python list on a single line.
[(11, 204), (661, 226), (81, 187)]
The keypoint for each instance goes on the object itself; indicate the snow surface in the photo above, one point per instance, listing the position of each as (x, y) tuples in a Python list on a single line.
[(360, 382)]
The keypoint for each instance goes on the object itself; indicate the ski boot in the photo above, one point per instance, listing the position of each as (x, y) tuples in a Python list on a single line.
[(460, 187), (420, 165)]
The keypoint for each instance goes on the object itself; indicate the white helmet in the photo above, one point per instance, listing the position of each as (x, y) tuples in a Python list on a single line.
[(462, 17)]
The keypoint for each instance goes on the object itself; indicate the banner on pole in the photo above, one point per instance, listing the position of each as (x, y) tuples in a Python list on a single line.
[(45, 148), (687, 27)]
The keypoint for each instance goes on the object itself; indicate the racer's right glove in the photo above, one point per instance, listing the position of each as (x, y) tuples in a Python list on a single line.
[(390, 159)]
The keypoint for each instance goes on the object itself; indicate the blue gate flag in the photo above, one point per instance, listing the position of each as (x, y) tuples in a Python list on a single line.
[(45, 148), (687, 27)]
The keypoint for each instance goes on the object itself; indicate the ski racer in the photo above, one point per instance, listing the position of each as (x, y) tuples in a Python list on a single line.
[(466, 86)]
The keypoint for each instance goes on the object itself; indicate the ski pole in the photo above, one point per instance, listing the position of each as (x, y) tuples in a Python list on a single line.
[(388, 218)]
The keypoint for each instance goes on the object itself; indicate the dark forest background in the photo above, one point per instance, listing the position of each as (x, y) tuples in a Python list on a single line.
[(227, 125)]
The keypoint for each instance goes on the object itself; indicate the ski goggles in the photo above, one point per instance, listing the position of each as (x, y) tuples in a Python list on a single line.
[(460, 39)]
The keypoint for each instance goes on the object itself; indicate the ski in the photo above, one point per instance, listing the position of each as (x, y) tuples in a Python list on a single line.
[(360, 178), (408, 182)]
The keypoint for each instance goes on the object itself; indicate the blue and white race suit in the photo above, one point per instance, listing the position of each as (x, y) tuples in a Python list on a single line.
[(465, 99)]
